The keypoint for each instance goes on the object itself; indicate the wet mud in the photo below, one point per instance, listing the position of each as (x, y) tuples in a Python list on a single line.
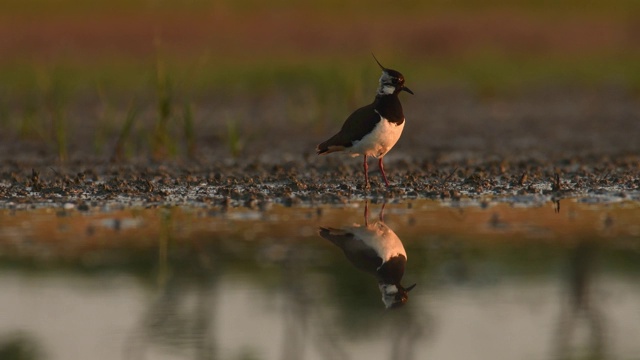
[(258, 185)]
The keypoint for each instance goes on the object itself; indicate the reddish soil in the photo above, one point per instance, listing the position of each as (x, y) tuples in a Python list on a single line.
[(304, 33)]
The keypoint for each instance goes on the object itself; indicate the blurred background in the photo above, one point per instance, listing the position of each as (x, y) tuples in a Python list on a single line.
[(499, 83), (125, 80)]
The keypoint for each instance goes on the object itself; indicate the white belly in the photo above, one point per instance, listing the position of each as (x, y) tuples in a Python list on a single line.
[(383, 137), (379, 237)]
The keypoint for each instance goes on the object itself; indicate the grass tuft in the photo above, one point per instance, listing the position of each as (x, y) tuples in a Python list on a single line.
[(27, 128), (189, 131), (234, 141), (59, 123), (162, 143), (55, 98), (118, 151)]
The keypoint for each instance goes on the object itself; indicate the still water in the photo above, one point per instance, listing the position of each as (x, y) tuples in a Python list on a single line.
[(494, 280)]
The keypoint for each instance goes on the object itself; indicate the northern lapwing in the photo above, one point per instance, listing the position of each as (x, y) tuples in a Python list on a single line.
[(377, 250), (374, 129)]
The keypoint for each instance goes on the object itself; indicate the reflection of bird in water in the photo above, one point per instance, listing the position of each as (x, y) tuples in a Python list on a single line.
[(375, 249)]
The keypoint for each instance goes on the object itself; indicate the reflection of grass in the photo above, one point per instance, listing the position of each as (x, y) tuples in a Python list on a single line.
[(164, 238), (19, 346)]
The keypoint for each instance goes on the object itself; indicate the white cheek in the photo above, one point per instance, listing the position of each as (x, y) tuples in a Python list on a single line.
[(388, 289), (387, 89), (388, 294)]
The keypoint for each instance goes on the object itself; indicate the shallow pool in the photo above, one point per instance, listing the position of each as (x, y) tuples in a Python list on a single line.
[(494, 280)]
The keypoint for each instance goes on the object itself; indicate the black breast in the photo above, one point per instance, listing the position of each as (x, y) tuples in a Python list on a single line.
[(392, 271), (390, 108)]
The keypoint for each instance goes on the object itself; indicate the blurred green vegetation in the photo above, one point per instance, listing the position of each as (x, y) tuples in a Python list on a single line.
[(49, 102), (323, 76)]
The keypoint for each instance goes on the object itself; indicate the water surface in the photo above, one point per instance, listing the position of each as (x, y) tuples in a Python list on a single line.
[(494, 281)]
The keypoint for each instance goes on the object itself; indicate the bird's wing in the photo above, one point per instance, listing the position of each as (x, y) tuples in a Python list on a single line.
[(357, 125), (340, 237), (359, 254)]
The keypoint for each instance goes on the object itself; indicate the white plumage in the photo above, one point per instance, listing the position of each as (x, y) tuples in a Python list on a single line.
[(380, 238), (377, 143)]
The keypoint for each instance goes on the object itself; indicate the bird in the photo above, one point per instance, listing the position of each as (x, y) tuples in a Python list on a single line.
[(377, 250), (374, 129)]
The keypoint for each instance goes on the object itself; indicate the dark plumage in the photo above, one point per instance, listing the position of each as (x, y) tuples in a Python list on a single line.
[(377, 250), (374, 129)]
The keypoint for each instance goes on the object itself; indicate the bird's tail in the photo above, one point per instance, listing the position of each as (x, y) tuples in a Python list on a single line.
[(329, 146), (336, 236), (322, 148)]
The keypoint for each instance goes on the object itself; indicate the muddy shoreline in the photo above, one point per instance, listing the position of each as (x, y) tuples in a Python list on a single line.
[(337, 181)]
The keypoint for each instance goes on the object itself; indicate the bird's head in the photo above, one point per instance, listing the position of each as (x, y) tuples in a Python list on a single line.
[(391, 81), (394, 295)]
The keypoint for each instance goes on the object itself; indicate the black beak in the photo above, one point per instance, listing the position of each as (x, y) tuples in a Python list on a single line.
[(410, 288), (407, 90)]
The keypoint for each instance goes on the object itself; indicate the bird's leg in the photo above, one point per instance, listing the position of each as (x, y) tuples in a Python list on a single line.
[(384, 176), (366, 173), (381, 216), (366, 213)]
